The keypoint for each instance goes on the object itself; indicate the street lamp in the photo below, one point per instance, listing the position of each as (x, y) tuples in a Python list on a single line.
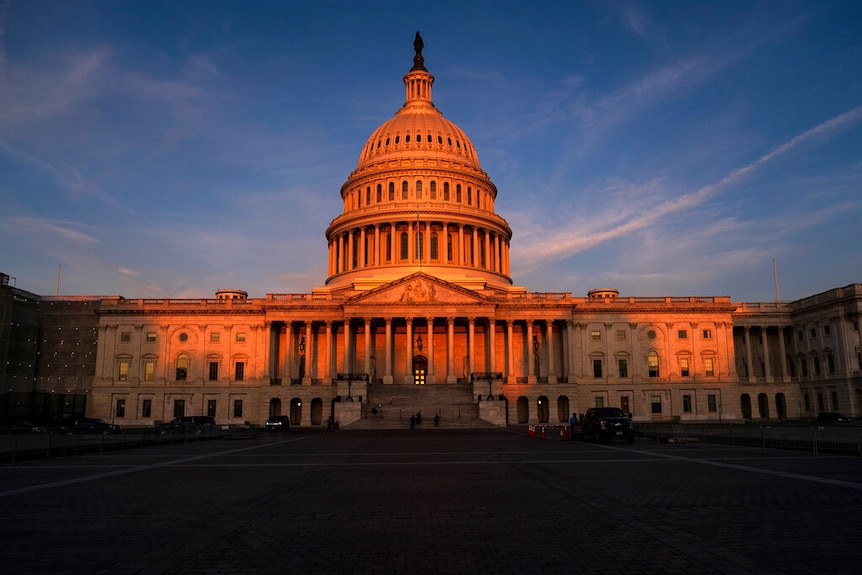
[(419, 343)]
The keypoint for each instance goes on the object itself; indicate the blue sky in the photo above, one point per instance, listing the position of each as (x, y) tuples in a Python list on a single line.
[(169, 149)]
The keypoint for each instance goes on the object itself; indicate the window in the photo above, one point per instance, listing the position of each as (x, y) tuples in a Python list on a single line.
[(458, 193), (655, 404), (240, 371), (599, 401), (799, 336), (184, 337), (379, 193), (597, 368), (404, 248), (711, 404), (652, 364), (816, 361), (182, 367), (179, 407), (707, 334), (418, 189), (151, 337), (807, 399), (820, 406), (240, 337), (469, 195), (367, 195), (596, 335), (830, 363), (827, 331), (121, 408), (449, 247), (237, 408), (147, 408), (125, 336), (433, 185), (391, 191), (211, 407), (621, 335), (683, 366), (804, 365), (445, 191), (624, 367), (834, 397), (213, 370), (434, 246), (404, 190), (708, 368), (214, 337), (682, 334), (124, 371), (149, 370), (686, 404), (813, 333)]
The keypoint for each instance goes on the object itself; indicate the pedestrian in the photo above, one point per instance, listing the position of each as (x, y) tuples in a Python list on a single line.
[(328, 425), (573, 421), (412, 422), (436, 420)]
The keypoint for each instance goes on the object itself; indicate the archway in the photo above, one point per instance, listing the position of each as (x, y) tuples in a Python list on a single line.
[(763, 405), (523, 410), (420, 368), (274, 406), (543, 409), (745, 404), (296, 411), (316, 411)]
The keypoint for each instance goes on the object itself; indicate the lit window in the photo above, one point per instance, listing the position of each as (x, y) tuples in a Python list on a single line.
[(124, 371), (121, 408), (707, 366), (621, 335), (240, 336), (151, 337), (596, 336), (125, 336), (149, 370), (182, 367), (214, 337), (707, 334), (683, 366), (652, 363)]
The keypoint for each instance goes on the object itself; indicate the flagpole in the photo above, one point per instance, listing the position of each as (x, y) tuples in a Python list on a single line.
[(775, 276)]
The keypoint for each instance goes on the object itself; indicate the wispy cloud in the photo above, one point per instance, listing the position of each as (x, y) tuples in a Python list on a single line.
[(52, 230), (607, 226)]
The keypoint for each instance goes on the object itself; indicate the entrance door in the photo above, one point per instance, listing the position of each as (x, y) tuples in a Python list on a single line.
[(624, 404), (420, 366)]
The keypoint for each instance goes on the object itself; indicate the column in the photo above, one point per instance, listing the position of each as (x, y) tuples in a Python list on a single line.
[(783, 351), (377, 244), (549, 344), (270, 358), (309, 354), (429, 376), (408, 378), (451, 377), (475, 234), (492, 351), (368, 346), (349, 265), (285, 370), (748, 361), (362, 253), (426, 244), (487, 265), (328, 365), (528, 351), (471, 353), (510, 352), (387, 371), (767, 369), (340, 263), (461, 244), (570, 349), (348, 347)]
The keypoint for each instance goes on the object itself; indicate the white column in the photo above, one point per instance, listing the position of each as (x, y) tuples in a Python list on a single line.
[(471, 345), (408, 378), (430, 374), (492, 344), (387, 371), (451, 377), (368, 346)]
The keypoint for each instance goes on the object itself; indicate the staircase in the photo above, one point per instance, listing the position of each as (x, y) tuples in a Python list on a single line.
[(397, 402)]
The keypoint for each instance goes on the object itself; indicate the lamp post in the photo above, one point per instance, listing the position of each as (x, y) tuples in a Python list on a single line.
[(301, 358)]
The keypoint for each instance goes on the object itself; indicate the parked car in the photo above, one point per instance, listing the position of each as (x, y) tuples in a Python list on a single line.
[(831, 418), (89, 425), (20, 426), (607, 424), (198, 423), (278, 423)]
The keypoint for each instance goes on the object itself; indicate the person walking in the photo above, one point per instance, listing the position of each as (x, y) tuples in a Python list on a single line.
[(412, 422), (573, 421), (436, 420)]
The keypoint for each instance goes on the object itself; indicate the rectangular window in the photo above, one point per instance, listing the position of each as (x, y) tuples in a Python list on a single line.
[(151, 337), (600, 402), (125, 336), (211, 407), (830, 364), (213, 370), (240, 336), (597, 368), (682, 334), (708, 369), (652, 364), (827, 331), (149, 370), (816, 365), (655, 404), (799, 336), (683, 366), (240, 371), (686, 404), (820, 406), (624, 367), (237, 408), (124, 371), (711, 403), (813, 333), (707, 334), (214, 337), (596, 336), (147, 408), (121, 408), (833, 395), (621, 335), (179, 407), (807, 399)]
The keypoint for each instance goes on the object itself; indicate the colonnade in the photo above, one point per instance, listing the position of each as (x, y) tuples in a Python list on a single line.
[(380, 245)]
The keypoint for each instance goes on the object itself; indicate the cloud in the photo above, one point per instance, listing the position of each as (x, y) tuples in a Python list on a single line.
[(41, 229), (635, 19)]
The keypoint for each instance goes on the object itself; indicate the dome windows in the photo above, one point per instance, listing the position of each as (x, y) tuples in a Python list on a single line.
[(397, 139), (391, 191), (433, 187), (429, 138), (404, 190), (418, 189), (406, 139), (440, 140)]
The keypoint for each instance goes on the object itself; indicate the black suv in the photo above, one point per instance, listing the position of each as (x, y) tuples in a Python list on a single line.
[(607, 424), (197, 423)]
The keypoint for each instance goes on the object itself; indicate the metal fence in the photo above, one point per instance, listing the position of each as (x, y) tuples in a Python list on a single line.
[(23, 446), (812, 438)]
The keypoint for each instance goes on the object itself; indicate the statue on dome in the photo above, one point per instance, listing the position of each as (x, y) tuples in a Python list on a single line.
[(418, 60)]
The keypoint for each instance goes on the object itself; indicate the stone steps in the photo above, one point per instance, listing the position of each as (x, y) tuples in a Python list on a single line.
[(397, 402)]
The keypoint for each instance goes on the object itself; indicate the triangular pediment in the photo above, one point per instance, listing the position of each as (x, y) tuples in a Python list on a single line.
[(418, 289)]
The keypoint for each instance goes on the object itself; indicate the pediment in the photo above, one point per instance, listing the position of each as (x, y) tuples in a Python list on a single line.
[(421, 289)]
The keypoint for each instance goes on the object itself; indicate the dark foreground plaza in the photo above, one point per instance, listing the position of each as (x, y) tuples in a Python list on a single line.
[(432, 501)]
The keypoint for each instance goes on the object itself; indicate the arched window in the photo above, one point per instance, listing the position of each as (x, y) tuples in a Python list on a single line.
[(389, 247), (182, 367), (404, 251), (434, 246), (404, 190), (379, 193), (433, 188), (419, 189), (368, 196), (445, 191), (652, 364), (469, 196), (391, 191), (458, 193), (449, 247), (359, 198)]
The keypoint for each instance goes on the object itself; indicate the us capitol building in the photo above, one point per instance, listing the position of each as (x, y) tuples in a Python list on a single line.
[(419, 313)]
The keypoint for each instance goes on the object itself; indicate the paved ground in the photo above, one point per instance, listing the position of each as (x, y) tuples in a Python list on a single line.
[(432, 501)]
